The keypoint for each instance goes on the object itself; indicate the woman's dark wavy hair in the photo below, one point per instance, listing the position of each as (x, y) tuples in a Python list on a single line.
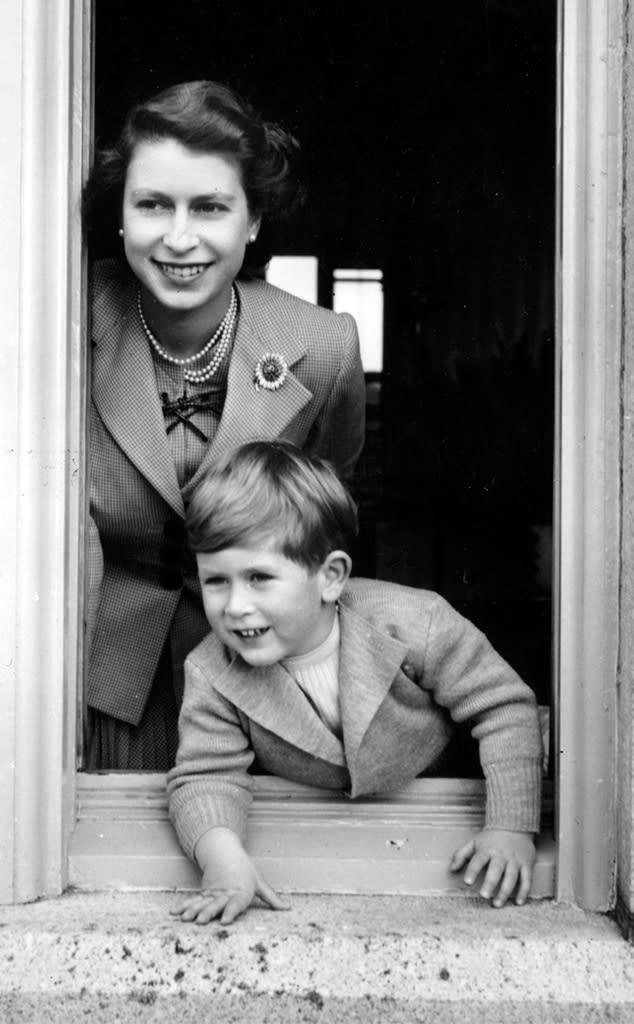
[(211, 118)]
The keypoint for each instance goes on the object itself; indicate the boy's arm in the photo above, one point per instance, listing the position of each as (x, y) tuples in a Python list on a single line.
[(209, 786), (209, 797), (475, 684), (230, 881)]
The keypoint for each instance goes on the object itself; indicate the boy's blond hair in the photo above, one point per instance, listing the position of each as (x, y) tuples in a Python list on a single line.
[(272, 491)]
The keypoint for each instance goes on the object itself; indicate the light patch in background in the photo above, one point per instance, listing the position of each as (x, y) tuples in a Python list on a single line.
[(295, 274), (360, 292)]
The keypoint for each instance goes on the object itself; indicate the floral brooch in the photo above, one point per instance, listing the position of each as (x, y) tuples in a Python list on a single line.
[(270, 372)]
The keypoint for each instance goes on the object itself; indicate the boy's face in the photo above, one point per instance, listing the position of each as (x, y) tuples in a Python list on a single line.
[(264, 606)]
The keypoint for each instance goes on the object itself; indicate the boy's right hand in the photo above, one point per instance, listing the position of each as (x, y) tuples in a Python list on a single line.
[(230, 882)]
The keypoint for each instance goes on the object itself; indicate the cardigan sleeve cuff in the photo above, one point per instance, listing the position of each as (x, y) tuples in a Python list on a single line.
[(194, 810), (513, 794)]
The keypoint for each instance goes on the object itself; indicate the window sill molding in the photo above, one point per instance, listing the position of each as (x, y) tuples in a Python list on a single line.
[(303, 839)]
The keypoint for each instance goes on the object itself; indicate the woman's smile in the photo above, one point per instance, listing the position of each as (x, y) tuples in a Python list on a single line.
[(182, 271)]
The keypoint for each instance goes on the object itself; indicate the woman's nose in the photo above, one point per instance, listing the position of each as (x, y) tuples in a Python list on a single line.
[(180, 237)]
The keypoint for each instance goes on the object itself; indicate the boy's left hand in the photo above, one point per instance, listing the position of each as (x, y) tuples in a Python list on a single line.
[(509, 858)]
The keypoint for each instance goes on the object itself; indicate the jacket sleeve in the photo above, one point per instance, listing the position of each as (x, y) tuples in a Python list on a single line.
[(340, 430), (94, 578), (209, 784), (469, 678)]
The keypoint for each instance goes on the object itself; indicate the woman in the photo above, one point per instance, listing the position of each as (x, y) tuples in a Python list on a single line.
[(187, 361)]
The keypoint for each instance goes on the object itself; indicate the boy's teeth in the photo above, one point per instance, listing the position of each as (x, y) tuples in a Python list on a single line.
[(250, 632)]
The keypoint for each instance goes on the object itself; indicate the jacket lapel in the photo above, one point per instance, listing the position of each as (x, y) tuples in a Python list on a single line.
[(270, 697), (249, 414), (125, 395), (370, 660)]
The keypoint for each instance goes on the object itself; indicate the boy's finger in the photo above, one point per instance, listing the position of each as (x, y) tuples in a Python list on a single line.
[(492, 878), (526, 878), (210, 911), (190, 908), (462, 855), (236, 905), (270, 897), (178, 908), (186, 902), (477, 864), (507, 885)]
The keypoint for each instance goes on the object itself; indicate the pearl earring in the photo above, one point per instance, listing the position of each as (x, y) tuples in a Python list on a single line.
[(120, 232), (252, 238)]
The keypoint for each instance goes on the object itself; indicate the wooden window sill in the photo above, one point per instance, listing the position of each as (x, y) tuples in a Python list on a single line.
[(303, 839)]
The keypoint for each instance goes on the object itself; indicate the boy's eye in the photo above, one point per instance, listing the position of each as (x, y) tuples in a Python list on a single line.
[(260, 577)]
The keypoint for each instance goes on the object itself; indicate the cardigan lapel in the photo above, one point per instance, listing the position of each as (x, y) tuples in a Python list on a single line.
[(125, 395), (270, 697), (249, 414), (369, 661)]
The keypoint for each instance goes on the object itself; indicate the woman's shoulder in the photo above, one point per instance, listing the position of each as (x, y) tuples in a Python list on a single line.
[(265, 302), (110, 292)]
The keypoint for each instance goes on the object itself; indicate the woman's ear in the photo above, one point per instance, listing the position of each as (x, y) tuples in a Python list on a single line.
[(254, 228), (334, 572)]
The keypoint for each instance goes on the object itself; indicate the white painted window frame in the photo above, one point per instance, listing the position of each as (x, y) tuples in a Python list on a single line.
[(57, 827)]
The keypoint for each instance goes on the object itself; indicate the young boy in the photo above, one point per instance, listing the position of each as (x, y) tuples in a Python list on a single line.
[(345, 683)]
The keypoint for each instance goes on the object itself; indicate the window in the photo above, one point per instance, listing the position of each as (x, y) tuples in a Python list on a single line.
[(295, 274), (360, 292), (39, 727), (445, 256)]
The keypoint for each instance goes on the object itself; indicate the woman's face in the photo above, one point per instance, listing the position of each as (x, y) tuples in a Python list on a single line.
[(186, 223)]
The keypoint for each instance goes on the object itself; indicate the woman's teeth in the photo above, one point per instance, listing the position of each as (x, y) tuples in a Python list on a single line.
[(182, 272)]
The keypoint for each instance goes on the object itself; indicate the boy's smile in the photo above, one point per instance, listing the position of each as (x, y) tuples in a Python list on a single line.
[(263, 605)]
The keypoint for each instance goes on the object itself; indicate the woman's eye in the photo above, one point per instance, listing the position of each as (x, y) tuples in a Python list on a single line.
[(150, 205), (208, 209)]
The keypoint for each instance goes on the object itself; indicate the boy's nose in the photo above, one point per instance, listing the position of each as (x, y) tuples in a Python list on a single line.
[(238, 602)]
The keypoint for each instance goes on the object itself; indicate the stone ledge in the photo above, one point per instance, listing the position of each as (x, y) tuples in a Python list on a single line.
[(120, 957)]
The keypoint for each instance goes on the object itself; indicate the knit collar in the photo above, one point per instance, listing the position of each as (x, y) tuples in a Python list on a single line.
[(319, 654)]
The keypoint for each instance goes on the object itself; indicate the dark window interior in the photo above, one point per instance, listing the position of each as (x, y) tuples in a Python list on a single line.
[(428, 136)]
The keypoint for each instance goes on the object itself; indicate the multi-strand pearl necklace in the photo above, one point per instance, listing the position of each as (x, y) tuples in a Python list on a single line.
[(220, 342)]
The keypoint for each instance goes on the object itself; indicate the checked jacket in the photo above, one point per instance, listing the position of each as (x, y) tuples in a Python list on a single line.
[(142, 584)]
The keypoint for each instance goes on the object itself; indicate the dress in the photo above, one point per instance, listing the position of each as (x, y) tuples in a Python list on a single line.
[(144, 612)]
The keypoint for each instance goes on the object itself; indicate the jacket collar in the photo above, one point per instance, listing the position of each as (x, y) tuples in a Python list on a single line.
[(249, 414), (125, 394), (369, 661), (270, 697)]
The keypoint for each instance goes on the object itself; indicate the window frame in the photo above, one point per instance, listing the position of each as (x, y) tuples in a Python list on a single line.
[(45, 52)]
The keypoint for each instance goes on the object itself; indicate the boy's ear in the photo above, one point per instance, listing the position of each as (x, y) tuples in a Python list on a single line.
[(335, 571)]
